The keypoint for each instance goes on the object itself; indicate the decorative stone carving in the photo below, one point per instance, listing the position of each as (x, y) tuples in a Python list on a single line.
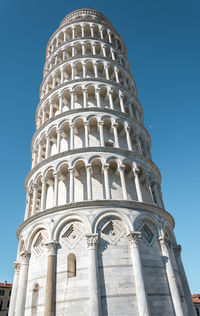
[(72, 235), (92, 240), (111, 231), (134, 238)]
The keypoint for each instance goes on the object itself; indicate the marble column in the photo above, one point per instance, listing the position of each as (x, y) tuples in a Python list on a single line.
[(123, 182), (56, 180), (114, 126), (47, 153), (58, 131), (89, 183), (72, 100), (28, 205), (71, 184), (121, 102), (43, 194), (35, 191), (61, 99), (85, 98), (185, 285), (137, 184), (22, 284), (86, 126), (134, 238), (110, 99), (98, 97), (14, 290), (128, 138), (165, 245), (71, 136), (50, 279), (106, 181), (138, 144), (100, 125), (92, 240)]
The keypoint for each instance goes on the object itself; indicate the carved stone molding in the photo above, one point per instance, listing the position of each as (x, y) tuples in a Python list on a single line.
[(134, 238), (51, 247), (25, 257), (92, 240), (17, 266)]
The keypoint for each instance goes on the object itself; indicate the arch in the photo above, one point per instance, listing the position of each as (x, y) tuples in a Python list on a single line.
[(35, 229), (68, 218), (112, 213)]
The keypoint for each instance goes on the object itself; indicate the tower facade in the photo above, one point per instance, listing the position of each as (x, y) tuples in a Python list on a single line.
[(96, 239)]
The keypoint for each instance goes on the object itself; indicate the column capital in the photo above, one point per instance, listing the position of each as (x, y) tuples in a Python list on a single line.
[(134, 238), (164, 242), (17, 266), (92, 241), (35, 186), (71, 125), (100, 123), (57, 174), (86, 123), (25, 257), (44, 180), (58, 130), (106, 167), (97, 90), (122, 168), (114, 124), (88, 166), (178, 249), (136, 171), (51, 247)]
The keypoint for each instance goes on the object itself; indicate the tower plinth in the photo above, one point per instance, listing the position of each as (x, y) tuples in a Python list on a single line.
[(96, 239)]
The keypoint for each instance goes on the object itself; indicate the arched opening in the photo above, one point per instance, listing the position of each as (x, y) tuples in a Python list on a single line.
[(35, 298), (71, 266)]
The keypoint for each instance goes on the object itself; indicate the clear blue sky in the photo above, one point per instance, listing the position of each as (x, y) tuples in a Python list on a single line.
[(163, 42)]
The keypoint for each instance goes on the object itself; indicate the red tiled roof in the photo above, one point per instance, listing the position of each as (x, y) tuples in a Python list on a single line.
[(5, 284), (196, 298)]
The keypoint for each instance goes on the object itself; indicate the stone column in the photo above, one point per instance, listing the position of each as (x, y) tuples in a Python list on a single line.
[(106, 70), (123, 182), (98, 97), (34, 161), (14, 290), (47, 153), (104, 51), (86, 126), (137, 184), (149, 186), (54, 82), (92, 31), (39, 151), (85, 98), (130, 109), (58, 131), (22, 284), (83, 49), (71, 135), (121, 102), (95, 70), (112, 54), (35, 190), (101, 32), (43, 193), (73, 32), (165, 244), (73, 72), (128, 139), (92, 240), (50, 108), (114, 126), (72, 99), (50, 279), (89, 184), (100, 124), (71, 184), (106, 181), (110, 99), (82, 31), (138, 144), (64, 54), (185, 285), (156, 193), (84, 70), (116, 75), (28, 204), (143, 309), (60, 101), (56, 180), (93, 49)]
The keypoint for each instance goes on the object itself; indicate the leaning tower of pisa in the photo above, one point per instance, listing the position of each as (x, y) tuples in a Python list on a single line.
[(96, 239)]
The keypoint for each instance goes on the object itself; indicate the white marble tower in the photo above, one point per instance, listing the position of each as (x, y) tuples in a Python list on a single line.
[(96, 239)]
